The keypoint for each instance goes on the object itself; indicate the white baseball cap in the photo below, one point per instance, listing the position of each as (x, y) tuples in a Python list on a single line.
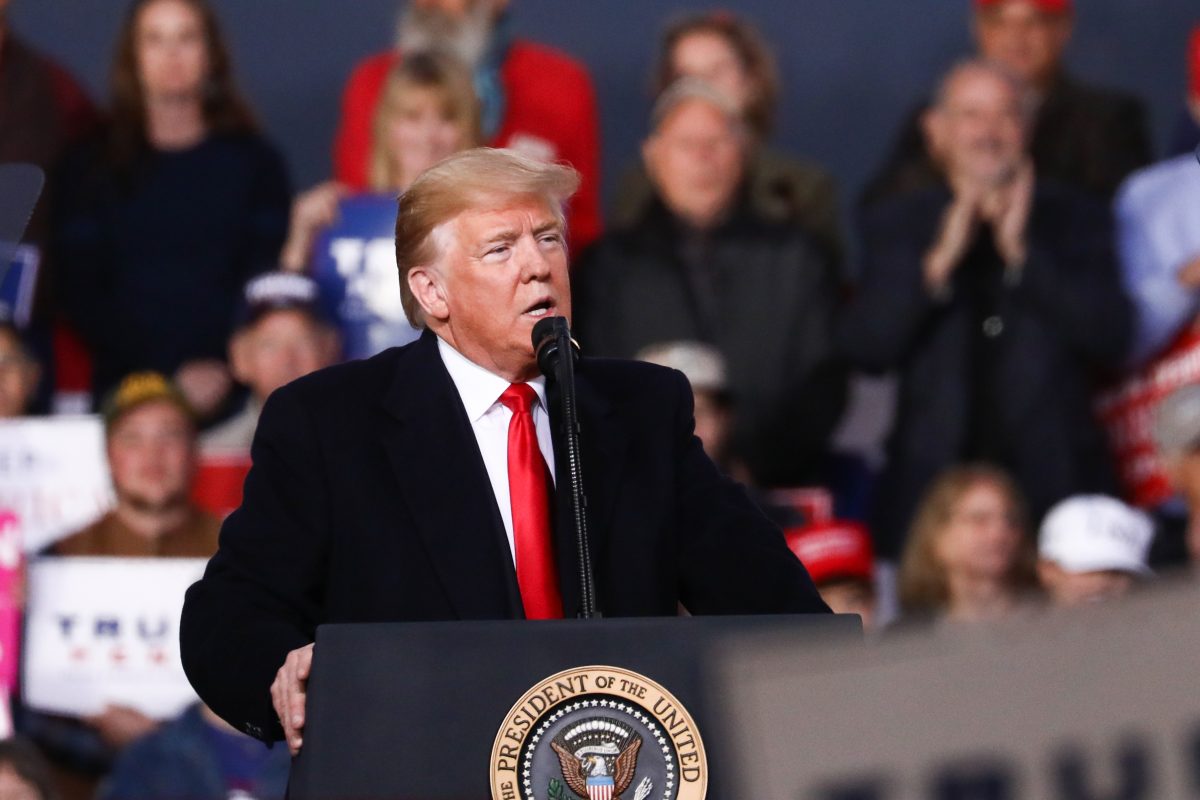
[(1095, 533)]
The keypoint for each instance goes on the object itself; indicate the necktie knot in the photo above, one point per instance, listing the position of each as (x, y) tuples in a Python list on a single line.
[(519, 398)]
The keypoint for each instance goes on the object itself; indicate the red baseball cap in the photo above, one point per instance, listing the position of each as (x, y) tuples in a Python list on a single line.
[(833, 550), (1046, 6)]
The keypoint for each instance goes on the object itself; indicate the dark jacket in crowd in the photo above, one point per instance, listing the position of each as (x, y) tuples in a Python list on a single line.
[(756, 290), (780, 188), (1083, 136), (154, 256), (191, 759), (999, 369)]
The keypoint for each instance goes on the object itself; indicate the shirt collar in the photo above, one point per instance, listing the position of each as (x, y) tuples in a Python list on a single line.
[(479, 388)]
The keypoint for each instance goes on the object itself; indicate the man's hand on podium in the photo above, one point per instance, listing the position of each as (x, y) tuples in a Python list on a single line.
[(288, 694)]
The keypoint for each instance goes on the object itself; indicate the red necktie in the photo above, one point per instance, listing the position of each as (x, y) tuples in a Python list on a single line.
[(529, 490)]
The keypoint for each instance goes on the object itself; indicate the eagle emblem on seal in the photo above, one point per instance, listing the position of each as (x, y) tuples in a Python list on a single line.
[(599, 758)]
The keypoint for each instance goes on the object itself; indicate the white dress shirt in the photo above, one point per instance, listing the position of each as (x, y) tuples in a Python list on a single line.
[(480, 392)]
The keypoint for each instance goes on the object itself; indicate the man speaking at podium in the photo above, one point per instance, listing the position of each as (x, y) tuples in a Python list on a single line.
[(420, 484)]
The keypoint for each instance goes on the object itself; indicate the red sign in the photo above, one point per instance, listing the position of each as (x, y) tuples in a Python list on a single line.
[(1128, 410)]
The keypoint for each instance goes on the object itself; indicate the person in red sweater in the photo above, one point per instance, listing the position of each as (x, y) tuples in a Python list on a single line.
[(534, 99)]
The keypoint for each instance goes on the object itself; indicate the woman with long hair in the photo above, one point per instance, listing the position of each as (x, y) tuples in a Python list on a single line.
[(427, 111), (165, 215), (969, 556)]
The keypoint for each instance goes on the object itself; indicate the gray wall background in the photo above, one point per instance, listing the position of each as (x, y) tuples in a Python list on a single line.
[(851, 68)]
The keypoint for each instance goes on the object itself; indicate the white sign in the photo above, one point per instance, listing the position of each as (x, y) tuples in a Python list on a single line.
[(106, 630), (53, 475)]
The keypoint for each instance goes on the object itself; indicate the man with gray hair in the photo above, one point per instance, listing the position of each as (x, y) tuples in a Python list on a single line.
[(997, 299), (419, 484), (703, 265)]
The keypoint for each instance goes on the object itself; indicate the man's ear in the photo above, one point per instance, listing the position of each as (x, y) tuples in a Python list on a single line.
[(430, 292)]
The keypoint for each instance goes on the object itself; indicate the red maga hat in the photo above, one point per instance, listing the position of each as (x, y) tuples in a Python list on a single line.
[(1047, 6), (836, 550)]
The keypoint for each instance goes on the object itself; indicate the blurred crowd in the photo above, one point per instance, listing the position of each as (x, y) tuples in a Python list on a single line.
[(1023, 251)]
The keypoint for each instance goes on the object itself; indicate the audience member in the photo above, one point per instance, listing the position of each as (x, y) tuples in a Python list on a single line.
[(164, 217), (281, 335), (534, 99), (24, 774), (1082, 135), (427, 110), (344, 238), (150, 441), (968, 557), (1093, 548), (1177, 436), (702, 266), (839, 559), (198, 756), (1158, 240), (19, 372), (704, 367), (997, 299), (726, 51)]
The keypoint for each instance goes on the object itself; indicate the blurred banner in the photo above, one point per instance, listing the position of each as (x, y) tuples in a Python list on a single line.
[(1128, 410), (53, 475), (354, 262), (106, 630), (1096, 704)]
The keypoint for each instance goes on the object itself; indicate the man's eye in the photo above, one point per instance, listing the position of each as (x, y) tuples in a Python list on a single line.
[(551, 238)]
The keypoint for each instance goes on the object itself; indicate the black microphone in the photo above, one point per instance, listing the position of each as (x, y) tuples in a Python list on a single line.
[(552, 338), (548, 337)]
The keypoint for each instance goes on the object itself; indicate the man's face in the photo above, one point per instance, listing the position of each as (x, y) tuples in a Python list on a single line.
[(1070, 589), (695, 159), (150, 454), (502, 268), (281, 347), (461, 27), (713, 423), (1027, 40), (978, 131)]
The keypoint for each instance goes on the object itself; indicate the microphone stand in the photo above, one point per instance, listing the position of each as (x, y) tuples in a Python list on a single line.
[(556, 354)]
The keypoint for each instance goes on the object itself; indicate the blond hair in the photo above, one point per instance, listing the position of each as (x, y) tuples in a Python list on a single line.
[(472, 179), (923, 584), (449, 80)]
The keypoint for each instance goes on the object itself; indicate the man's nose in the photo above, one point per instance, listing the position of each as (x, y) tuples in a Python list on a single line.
[(534, 263)]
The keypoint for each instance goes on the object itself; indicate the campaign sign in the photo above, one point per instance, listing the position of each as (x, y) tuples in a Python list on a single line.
[(106, 631), (11, 569), (53, 475), (17, 284), (1128, 410), (354, 263)]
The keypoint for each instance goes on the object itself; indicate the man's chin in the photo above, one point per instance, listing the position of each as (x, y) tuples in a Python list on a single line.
[(154, 504)]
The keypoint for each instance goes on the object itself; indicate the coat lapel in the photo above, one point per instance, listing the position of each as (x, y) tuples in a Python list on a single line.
[(441, 476), (603, 444)]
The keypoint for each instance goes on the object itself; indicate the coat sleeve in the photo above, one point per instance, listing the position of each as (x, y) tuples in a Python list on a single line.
[(732, 559), (261, 593), (1076, 286), (891, 306)]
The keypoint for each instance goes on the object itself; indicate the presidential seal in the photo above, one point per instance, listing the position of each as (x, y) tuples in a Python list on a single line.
[(598, 733)]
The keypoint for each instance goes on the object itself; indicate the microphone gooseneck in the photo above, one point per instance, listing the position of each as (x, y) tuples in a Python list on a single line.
[(552, 338)]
